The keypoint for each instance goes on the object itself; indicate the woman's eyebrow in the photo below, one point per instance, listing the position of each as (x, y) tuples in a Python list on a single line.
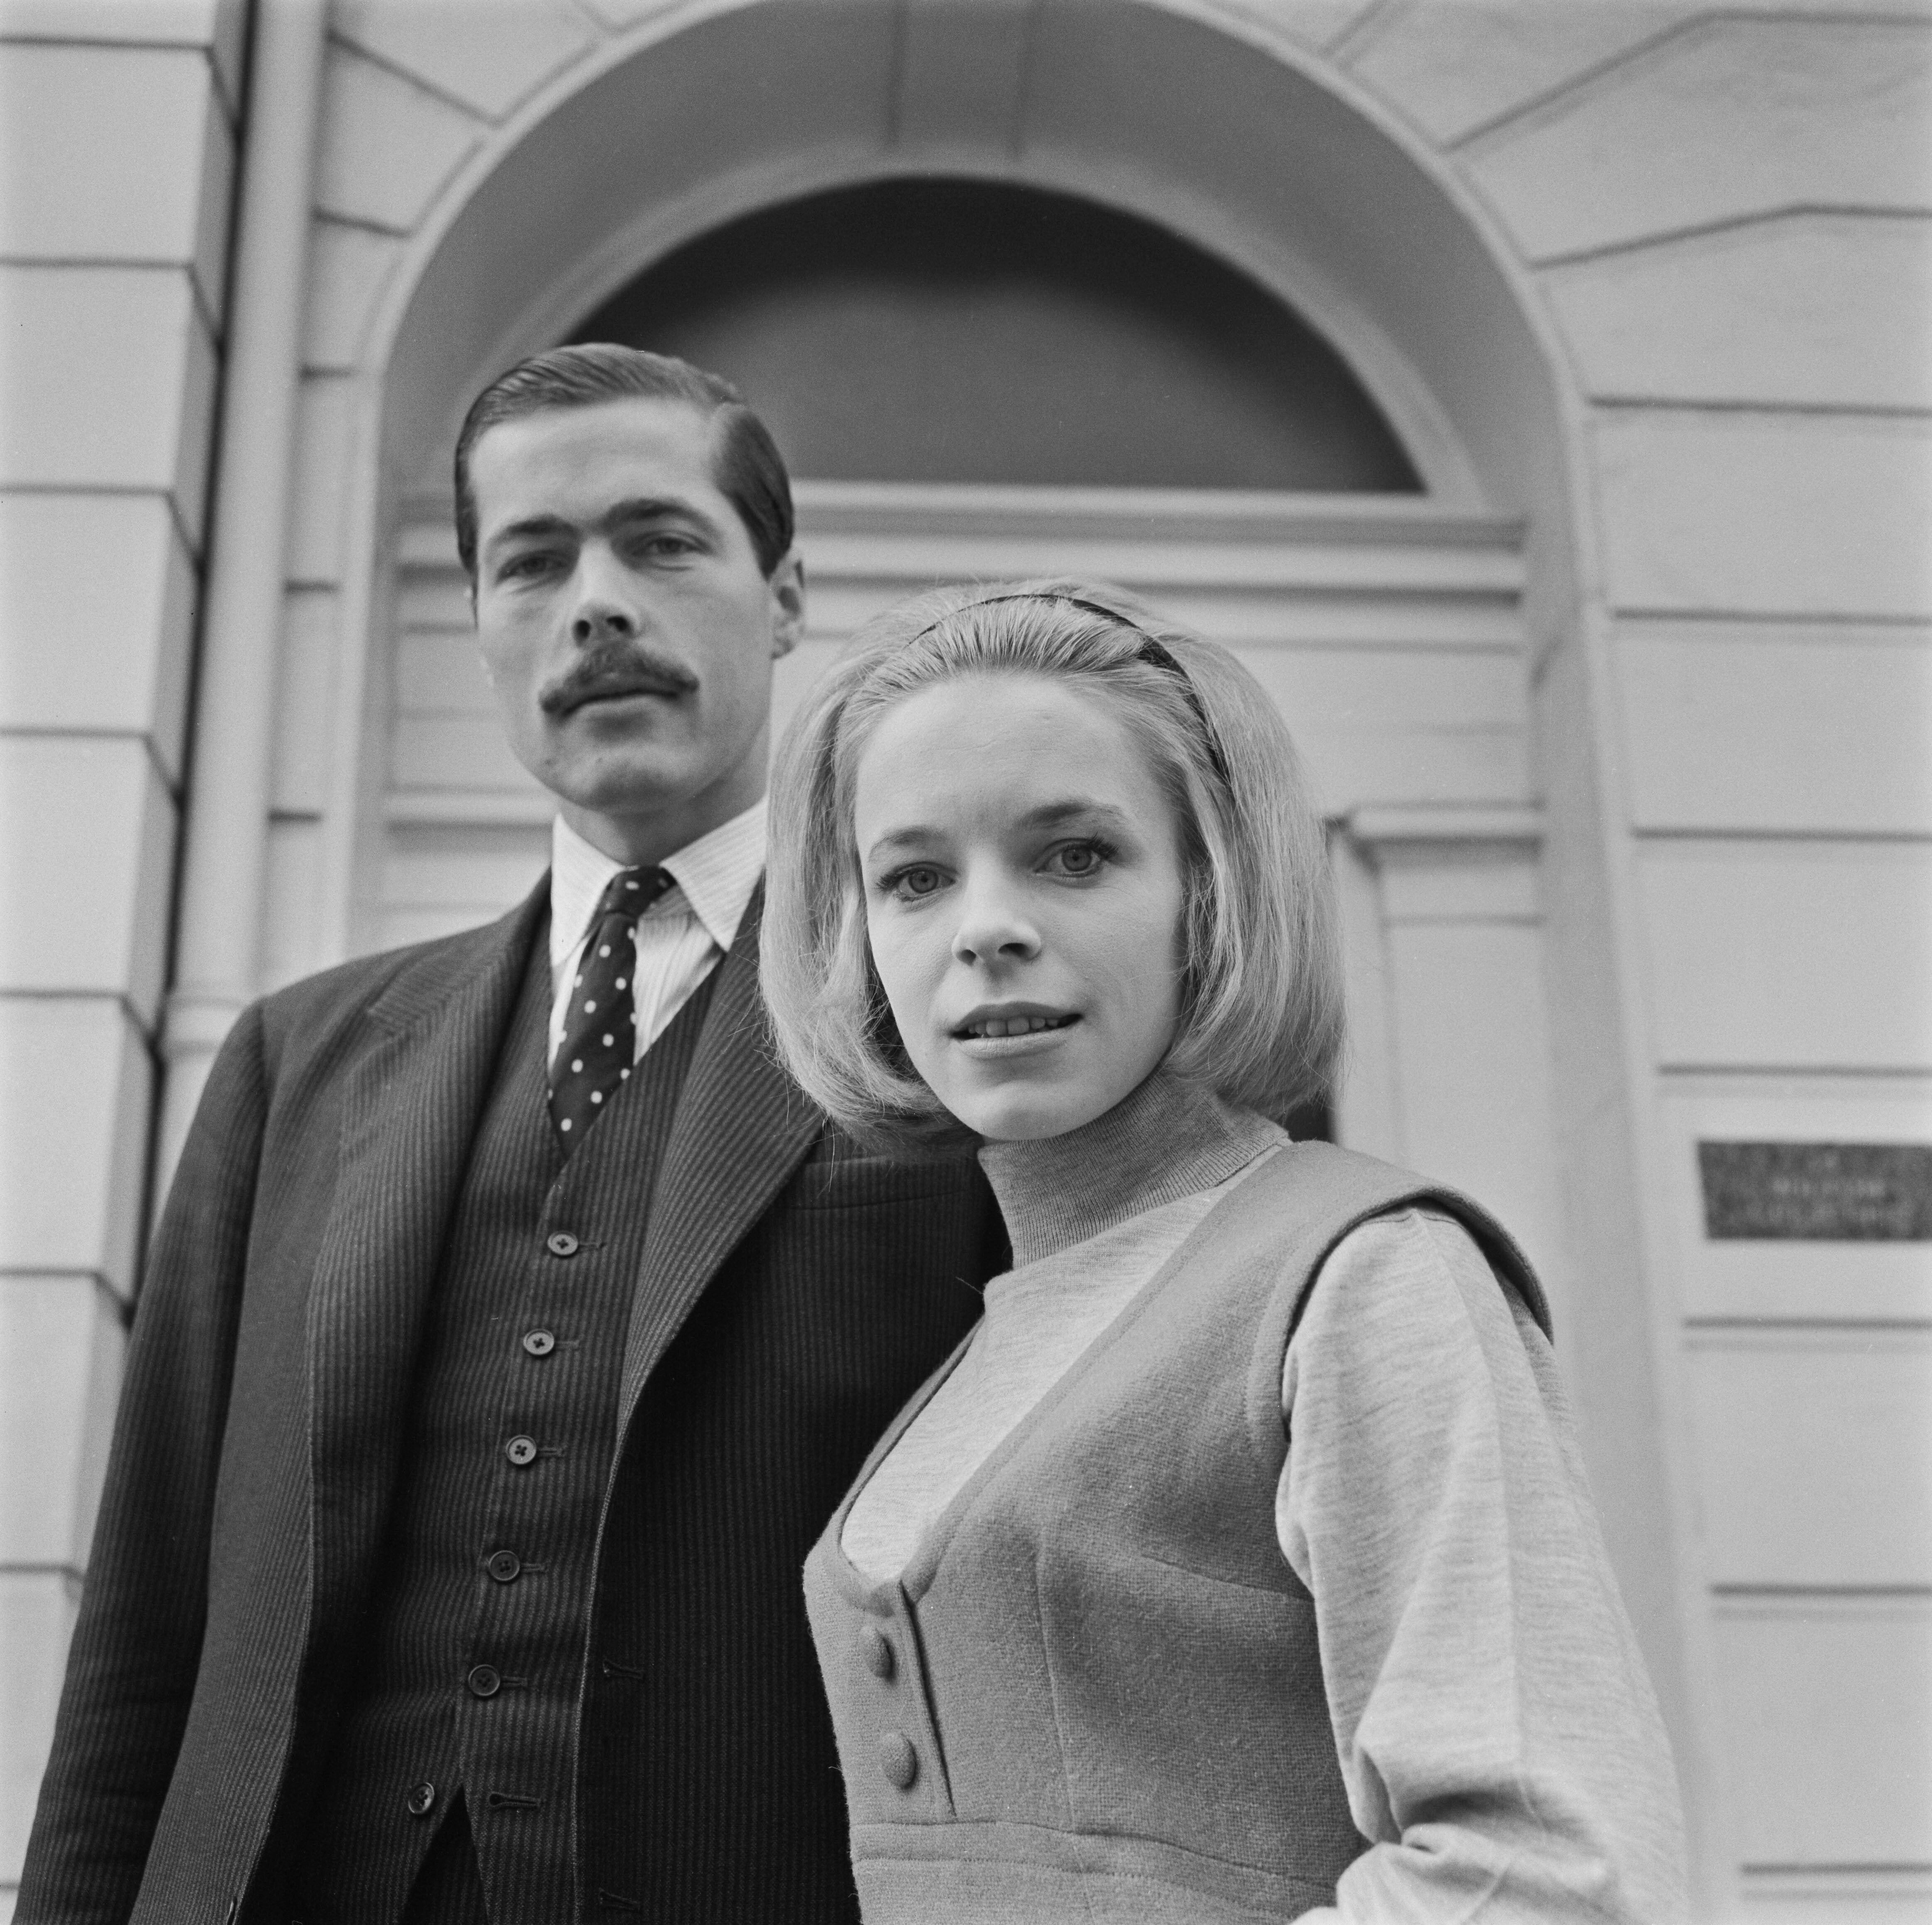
[(916, 836), (1054, 814), (1083, 809)]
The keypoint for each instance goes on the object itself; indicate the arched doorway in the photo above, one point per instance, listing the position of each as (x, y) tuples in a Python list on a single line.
[(973, 379)]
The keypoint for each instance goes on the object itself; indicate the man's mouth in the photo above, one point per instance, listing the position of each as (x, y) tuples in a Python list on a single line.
[(616, 685)]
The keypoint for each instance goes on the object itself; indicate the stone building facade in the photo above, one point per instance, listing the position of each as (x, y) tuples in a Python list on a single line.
[(1619, 707)]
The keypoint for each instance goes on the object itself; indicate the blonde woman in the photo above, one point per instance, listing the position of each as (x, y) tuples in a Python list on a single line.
[(1240, 1564)]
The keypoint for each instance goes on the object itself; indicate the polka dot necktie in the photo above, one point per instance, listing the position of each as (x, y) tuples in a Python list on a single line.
[(600, 1031)]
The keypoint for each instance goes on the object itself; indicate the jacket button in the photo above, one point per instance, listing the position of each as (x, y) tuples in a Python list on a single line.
[(561, 1243), (521, 1451), (876, 1648), (539, 1342), (422, 1799), (898, 1760), (484, 1681), (504, 1565)]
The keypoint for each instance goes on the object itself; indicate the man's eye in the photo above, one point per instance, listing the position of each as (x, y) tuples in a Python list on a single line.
[(537, 562), (665, 548)]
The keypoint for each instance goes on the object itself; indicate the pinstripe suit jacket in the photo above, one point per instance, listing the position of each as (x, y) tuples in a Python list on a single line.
[(263, 1414)]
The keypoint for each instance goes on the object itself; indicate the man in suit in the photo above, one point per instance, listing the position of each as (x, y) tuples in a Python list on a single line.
[(513, 1325)]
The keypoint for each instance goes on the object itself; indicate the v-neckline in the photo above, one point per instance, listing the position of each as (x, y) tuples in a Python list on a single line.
[(915, 1577)]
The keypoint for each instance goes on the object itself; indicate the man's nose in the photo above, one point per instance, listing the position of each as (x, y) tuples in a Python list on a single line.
[(605, 609), (994, 925)]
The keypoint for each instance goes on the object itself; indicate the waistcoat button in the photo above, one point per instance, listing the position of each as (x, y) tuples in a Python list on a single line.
[(539, 1342), (422, 1799), (561, 1243), (898, 1760), (484, 1681), (503, 1566), (521, 1451), (876, 1648)]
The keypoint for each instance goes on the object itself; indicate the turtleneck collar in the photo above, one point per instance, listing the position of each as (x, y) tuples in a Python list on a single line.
[(1168, 1139)]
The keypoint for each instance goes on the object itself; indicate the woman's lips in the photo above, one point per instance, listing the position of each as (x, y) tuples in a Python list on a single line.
[(1026, 1037), (1019, 1024)]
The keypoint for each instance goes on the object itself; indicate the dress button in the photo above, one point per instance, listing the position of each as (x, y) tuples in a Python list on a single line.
[(521, 1451), (539, 1342), (561, 1243), (504, 1565), (422, 1799), (484, 1681), (898, 1760), (876, 1648)]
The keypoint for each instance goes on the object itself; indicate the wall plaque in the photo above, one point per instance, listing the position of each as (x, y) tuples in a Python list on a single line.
[(1848, 1192)]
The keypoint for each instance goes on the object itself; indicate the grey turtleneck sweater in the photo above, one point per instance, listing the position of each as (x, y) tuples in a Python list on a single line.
[(1092, 1214), (1496, 1732)]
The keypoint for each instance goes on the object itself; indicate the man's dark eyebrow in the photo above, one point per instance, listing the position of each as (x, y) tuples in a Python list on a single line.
[(653, 508), (619, 514), (530, 526)]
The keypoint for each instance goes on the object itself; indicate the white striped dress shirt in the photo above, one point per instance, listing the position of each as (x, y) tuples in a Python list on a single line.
[(681, 937)]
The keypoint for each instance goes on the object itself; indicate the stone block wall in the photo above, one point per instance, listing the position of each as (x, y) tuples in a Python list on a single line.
[(119, 128)]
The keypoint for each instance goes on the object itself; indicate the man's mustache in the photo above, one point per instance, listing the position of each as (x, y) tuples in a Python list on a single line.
[(626, 668)]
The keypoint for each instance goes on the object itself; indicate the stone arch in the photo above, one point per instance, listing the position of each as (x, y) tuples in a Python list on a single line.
[(1248, 143), (1227, 130)]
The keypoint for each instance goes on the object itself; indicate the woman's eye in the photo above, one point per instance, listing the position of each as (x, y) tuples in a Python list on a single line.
[(909, 885), (1078, 859)]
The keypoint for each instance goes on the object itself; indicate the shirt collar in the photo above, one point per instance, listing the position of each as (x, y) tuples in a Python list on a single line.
[(715, 875)]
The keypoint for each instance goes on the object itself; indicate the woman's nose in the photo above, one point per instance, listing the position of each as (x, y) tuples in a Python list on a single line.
[(994, 925)]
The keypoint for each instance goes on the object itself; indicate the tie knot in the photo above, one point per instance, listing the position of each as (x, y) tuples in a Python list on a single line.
[(631, 891)]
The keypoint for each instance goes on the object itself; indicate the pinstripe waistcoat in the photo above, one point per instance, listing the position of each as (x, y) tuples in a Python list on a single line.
[(467, 1680), (790, 1295)]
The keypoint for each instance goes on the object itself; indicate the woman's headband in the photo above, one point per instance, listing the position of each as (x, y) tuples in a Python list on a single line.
[(1152, 651)]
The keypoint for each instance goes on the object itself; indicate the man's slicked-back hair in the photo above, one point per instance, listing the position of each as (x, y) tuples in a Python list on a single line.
[(748, 468)]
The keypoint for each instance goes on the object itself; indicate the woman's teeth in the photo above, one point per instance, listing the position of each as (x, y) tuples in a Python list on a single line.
[(1017, 1026)]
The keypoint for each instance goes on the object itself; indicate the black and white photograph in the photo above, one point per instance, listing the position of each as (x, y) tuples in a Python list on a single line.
[(966, 962)]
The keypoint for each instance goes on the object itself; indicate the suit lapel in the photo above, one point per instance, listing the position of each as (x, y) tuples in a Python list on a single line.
[(409, 1114), (743, 1128)]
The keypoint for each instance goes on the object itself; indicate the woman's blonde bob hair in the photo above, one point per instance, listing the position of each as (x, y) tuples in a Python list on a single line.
[(1261, 1001)]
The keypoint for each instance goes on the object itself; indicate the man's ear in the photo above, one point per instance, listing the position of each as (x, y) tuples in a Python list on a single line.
[(489, 674), (788, 591)]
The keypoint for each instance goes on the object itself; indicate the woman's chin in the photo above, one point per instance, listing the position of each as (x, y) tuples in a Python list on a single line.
[(1019, 1115)]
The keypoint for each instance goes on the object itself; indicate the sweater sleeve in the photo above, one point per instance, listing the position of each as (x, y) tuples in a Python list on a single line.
[(1497, 1733)]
